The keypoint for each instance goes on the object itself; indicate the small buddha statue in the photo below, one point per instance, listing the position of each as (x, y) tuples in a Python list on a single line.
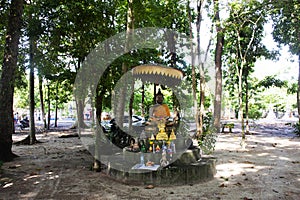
[(157, 148), (162, 135), (172, 135), (163, 161)]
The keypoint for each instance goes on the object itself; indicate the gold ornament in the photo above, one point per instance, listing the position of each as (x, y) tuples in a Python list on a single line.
[(172, 135), (162, 135)]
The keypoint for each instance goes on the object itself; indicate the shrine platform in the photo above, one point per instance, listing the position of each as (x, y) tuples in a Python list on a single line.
[(187, 169)]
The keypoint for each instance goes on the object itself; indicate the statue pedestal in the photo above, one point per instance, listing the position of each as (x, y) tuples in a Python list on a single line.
[(189, 168)]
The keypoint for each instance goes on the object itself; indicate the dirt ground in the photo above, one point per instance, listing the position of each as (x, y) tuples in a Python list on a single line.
[(60, 168)]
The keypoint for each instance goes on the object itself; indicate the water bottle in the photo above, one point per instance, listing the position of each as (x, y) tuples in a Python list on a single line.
[(142, 159)]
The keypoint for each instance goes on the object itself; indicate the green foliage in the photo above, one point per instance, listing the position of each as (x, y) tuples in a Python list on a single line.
[(208, 143), (243, 46), (207, 123), (297, 129), (4, 11), (208, 139), (21, 99), (64, 39), (272, 81), (148, 101), (60, 92), (286, 20), (293, 88), (255, 111), (273, 96)]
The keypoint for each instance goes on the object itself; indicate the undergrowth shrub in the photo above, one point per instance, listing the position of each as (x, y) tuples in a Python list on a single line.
[(297, 129), (208, 139)]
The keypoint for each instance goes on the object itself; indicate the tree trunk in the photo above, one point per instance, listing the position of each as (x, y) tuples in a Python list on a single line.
[(218, 69), (80, 115), (202, 99), (154, 93), (99, 99), (79, 107), (194, 81), (129, 34), (49, 105), (56, 104), (200, 111), (247, 104), (143, 100), (298, 93), (240, 93), (98, 105), (32, 138), (7, 80), (42, 101), (131, 105)]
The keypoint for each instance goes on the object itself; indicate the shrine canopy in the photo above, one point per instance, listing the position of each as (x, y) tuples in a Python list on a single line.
[(158, 74)]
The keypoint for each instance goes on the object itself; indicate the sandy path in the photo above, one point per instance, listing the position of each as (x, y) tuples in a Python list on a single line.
[(269, 168)]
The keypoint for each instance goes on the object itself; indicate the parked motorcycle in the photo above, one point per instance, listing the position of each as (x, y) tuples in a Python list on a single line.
[(24, 123)]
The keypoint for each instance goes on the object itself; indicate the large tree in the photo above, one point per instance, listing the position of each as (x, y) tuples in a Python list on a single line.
[(286, 24), (31, 139), (218, 66), (7, 80), (244, 33)]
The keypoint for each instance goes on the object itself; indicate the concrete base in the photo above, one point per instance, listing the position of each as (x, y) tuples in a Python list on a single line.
[(177, 173)]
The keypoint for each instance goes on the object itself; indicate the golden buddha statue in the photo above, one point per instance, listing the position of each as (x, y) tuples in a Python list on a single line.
[(161, 135)]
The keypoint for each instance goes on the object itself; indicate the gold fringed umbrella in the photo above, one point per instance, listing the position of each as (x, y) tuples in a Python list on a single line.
[(158, 74)]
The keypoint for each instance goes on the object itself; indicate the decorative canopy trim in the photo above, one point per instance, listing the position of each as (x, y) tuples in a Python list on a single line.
[(158, 70)]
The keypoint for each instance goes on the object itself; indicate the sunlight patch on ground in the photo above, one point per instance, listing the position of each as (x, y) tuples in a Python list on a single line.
[(269, 148), (284, 158), (262, 154), (30, 177), (29, 195), (53, 177), (8, 185), (249, 156), (76, 147), (288, 142), (234, 168), (228, 142), (265, 140)]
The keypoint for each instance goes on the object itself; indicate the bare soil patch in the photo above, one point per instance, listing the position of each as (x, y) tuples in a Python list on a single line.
[(60, 168)]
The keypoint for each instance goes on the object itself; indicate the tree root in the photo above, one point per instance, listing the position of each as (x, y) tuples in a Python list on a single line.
[(8, 157), (75, 125), (26, 141)]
